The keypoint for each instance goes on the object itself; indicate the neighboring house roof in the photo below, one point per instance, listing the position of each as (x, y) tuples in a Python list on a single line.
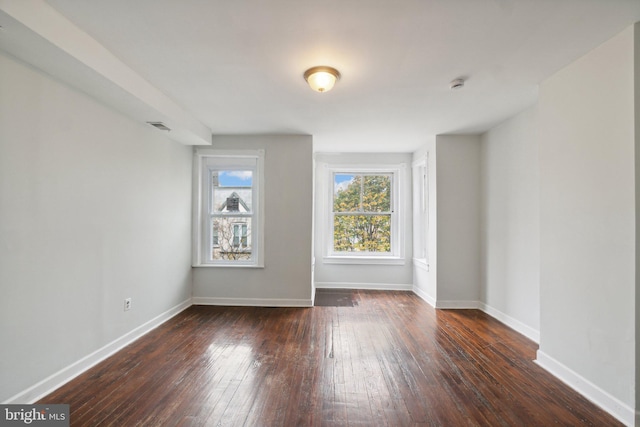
[(221, 194)]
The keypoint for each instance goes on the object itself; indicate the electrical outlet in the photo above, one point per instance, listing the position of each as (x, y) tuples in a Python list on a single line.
[(127, 304)]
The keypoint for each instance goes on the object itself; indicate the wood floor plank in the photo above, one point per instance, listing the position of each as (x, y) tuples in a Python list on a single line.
[(386, 359)]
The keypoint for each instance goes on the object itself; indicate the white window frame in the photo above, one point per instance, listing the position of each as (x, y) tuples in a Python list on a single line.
[(206, 160), (396, 255), (421, 212)]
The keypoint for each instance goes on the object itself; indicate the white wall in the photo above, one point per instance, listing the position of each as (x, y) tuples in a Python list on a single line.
[(286, 278), (458, 220), (94, 208), (358, 275), (587, 222), (510, 255)]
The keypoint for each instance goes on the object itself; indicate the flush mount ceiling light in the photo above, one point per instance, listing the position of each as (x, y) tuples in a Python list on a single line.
[(322, 78)]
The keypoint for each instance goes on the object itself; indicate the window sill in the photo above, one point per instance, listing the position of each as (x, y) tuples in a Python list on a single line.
[(228, 266), (363, 260)]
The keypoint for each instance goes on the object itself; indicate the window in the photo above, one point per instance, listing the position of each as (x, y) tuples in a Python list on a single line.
[(215, 237), (420, 211), (361, 213), (364, 224), (228, 227), (240, 236)]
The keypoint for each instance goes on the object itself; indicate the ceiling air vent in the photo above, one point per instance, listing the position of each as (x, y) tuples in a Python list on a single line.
[(159, 125), (456, 84)]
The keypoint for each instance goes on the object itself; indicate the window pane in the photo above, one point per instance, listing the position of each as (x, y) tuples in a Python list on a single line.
[(346, 192), (362, 233), (376, 195), (231, 191), (243, 234), (233, 238)]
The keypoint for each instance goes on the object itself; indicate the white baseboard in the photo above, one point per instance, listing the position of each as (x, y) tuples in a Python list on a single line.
[(364, 286), (253, 302), (455, 304), (423, 295), (612, 405), (511, 322), (63, 376), (516, 325)]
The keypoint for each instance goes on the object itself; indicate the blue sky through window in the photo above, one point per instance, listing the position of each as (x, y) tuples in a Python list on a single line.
[(235, 178), (341, 181)]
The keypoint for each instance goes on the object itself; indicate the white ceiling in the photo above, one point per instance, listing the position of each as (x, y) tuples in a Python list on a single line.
[(237, 65)]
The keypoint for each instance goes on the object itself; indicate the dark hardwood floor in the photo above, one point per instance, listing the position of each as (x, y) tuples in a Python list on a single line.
[(387, 360)]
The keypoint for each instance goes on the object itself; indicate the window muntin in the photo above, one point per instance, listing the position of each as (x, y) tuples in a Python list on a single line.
[(363, 219)]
